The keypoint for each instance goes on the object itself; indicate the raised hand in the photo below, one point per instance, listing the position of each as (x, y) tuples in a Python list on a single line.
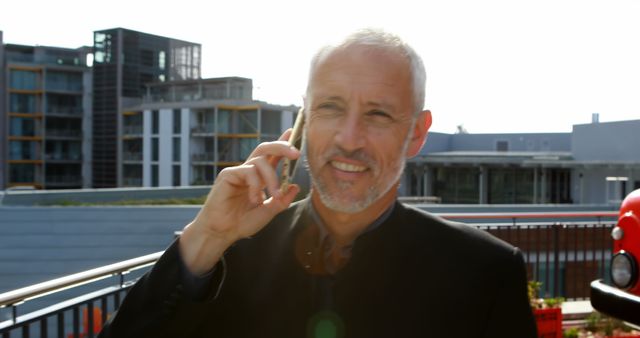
[(237, 206)]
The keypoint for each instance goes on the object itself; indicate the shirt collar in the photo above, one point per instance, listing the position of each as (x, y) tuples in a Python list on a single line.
[(315, 217)]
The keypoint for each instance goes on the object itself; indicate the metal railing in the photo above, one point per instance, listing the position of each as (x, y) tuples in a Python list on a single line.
[(133, 130), (203, 157), (564, 256), (13, 299)]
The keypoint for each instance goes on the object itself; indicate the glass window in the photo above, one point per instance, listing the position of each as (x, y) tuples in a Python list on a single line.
[(132, 175), (154, 175), (177, 119), (23, 79), (22, 127), (510, 186), (176, 149), (248, 122), (176, 175), (154, 149), (246, 147), (155, 121), (224, 121), (271, 121), (457, 185), (64, 81), (22, 103), (23, 150), (22, 173), (161, 59)]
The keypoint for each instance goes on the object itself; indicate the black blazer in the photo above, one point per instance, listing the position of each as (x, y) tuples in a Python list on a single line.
[(415, 275)]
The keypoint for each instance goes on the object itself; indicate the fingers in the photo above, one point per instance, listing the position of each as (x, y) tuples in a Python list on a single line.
[(275, 149), (255, 175), (274, 205), (285, 135), (267, 174)]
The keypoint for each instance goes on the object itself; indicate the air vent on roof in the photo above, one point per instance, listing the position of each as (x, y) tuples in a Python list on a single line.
[(502, 145)]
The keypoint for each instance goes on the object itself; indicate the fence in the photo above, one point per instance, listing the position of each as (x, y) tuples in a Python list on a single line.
[(565, 257), (87, 303)]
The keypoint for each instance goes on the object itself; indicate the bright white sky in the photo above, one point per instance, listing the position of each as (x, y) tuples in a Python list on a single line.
[(492, 66)]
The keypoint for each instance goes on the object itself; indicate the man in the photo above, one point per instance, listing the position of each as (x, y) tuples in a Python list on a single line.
[(348, 261)]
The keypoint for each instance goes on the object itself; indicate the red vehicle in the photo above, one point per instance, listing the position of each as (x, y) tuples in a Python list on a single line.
[(622, 300)]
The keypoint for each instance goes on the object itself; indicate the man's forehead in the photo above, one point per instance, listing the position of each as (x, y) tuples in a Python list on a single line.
[(379, 72), (356, 53)]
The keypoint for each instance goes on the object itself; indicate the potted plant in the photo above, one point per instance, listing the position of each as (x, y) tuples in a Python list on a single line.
[(547, 311)]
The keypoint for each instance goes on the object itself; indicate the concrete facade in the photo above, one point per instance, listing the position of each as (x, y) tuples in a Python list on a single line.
[(45, 108), (597, 163), (185, 132)]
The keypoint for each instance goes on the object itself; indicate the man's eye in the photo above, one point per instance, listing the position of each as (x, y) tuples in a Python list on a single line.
[(328, 105), (379, 114)]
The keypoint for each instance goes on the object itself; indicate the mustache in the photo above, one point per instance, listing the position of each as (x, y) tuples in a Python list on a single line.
[(356, 155)]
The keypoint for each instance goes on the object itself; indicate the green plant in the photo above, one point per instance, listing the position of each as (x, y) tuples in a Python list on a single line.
[(603, 323), (533, 288), (571, 333)]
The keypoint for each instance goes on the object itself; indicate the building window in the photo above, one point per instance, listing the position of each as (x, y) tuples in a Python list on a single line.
[(177, 118), (457, 185), (154, 149), (22, 103), (176, 175), (132, 176), (510, 186), (161, 59), (22, 127), (502, 145), (23, 79), (176, 149), (155, 122), (22, 173), (23, 150), (154, 175)]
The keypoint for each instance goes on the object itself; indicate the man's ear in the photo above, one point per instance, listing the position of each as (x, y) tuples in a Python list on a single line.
[(418, 135)]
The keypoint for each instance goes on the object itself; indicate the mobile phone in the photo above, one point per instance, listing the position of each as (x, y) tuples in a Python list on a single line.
[(295, 139)]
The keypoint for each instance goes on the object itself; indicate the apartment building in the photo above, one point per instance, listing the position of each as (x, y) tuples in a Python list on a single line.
[(125, 61), (185, 132), (46, 114)]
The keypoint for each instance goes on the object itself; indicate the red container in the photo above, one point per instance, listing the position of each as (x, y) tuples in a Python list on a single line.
[(549, 322)]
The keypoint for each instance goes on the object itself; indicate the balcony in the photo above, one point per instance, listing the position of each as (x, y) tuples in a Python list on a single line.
[(63, 180), (132, 156), (64, 133), (206, 157), (24, 157), (132, 181), (132, 130), (64, 157), (65, 87), (206, 129), (64, 111)]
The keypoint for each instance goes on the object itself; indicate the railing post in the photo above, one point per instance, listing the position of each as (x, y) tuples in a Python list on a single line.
[(76, 322), (90, 319), (43, 328), (14, 313), (61, 325)]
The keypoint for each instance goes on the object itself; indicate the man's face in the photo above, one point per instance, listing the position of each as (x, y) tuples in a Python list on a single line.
[(360, 122)]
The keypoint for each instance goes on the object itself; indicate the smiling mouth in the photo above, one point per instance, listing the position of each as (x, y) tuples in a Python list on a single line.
[(348, 167)]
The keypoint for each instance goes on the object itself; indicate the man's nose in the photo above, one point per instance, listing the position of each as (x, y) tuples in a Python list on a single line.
[(351, 132)]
